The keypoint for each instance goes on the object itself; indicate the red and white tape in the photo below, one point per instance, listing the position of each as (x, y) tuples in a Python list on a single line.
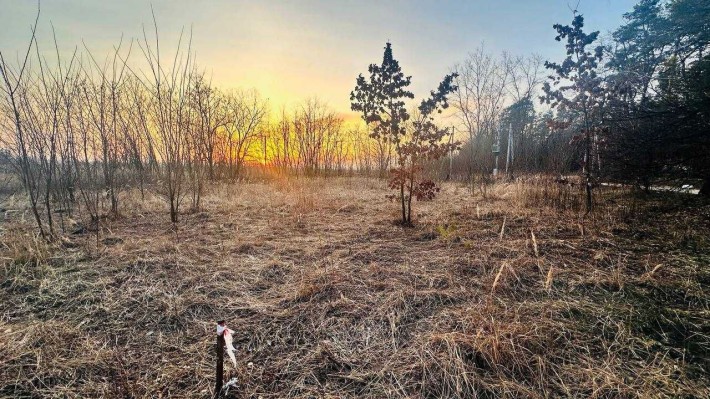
[(226, 332)]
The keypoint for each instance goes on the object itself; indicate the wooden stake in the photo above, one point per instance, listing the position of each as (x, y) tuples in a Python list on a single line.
[(219, 367)]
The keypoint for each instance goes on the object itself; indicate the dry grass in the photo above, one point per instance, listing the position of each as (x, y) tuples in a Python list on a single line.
[(330, 298)]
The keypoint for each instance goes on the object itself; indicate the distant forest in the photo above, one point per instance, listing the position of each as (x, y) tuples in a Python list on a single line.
[(632, 108)]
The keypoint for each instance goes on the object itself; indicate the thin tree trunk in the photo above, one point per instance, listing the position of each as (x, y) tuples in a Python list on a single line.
[(401, 196), (588, 170), (705, 189), (409, 200)]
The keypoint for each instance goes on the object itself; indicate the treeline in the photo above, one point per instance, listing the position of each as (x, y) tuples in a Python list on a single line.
[(632, 108), (78, 132), (314, 140), (655, 123)]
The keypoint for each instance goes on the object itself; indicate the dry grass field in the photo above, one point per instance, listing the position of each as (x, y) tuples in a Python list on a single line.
[(514, 295)]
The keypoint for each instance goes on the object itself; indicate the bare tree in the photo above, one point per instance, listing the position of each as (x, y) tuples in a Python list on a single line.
[(483, 82), (518, 118), (245, 116), (169, 87), (208, 104), (279, 143), (363, 150), (138, 141), (316, 129), (103, 100), (13, 89)]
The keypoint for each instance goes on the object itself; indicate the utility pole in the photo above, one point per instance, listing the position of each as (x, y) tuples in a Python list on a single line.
[(451, 153), (509, 155), (496, 150)]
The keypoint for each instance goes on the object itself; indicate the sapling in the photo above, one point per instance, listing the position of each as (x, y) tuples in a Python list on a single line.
[(416, 140)]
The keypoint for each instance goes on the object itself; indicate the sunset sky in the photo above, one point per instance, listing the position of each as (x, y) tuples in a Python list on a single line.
[(292, 50)]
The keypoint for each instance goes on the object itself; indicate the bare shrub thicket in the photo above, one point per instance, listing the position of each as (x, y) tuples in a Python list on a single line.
[(80, 130)]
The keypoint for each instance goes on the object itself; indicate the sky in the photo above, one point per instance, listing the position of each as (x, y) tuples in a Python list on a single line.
[(293, 50)]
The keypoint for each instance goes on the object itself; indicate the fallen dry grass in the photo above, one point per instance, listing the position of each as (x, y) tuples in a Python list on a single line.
[(513, 295)]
